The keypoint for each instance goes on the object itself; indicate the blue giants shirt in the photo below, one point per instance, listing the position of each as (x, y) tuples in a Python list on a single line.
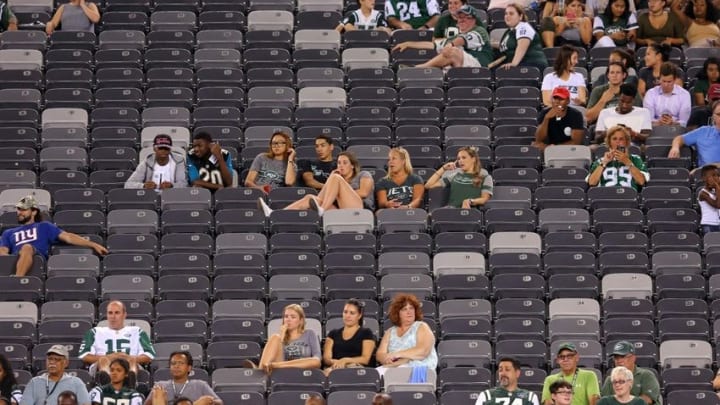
[(41, 235)]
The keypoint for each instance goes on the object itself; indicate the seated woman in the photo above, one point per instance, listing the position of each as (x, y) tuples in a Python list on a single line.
[(470, 184), (699, 18), (710, 74), (401, 188), (616, 26), (563, 75), (658, 26), (617, 167), (9, 391), (364, 18), (649, 76), (77, 15), (274, 168), (118, 391), (573, 27), (521, 44), (293, 346), (352, 345), (410, 342), (622, 383), (346, 187), (469, 48)]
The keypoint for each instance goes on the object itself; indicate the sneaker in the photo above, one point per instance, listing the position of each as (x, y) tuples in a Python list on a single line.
[(102, 378), (264, 207), (315, 206)]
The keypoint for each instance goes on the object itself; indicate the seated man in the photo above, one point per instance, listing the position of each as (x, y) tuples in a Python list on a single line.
[(46, 388), (163, 169), (102, 344), (559, 124), (469, 48), (705, 139), (617, 167), (608, 95), (8, 21), (209, 166), (635, 119), (668, 103), (412, 14), (180, 384), (316, 172)]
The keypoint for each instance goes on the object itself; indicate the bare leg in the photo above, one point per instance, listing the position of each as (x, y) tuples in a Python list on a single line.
[(25, 260), (272, 351), (439, 61), (449, 56), (340, 192), (548, 38), (301, 204)]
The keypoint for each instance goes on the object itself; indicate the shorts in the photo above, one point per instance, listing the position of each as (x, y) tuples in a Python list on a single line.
[(470, 61)]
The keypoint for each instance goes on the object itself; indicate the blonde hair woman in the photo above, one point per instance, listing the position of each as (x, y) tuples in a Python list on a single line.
[(618, 167), (401, 188)]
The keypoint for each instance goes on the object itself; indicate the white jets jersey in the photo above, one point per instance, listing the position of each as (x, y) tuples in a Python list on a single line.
[(130, 340)]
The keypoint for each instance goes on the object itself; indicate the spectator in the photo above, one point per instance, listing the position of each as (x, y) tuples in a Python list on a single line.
[(446, 26), (315, 399), (382, 399), (181, 386), (655, 56), (627, 58), (364, 18), (274, 168), (8, 21), (67, 398), (401, 188), (412, 14), (409, 342), (564, 75), (35, 236), (668, 103), (616, 26), (636, 119), (470, 185), (159, 397), (561, 393), (645, 384), (508, 370), (699, 18), (293, 346), (316, 172), (572, 28), (559, 124), (118, 390), (709, 203), (76, 15), (163, 169), (10, 394), (583, 384), (103, 344), (469, 48), (709, 75), (352, 345), (521, 44), (608, 95), (658, 26), (209, 166), (45, 389), (617, 167), (705, 139), (622, 386), (347, 187), (701, 116)]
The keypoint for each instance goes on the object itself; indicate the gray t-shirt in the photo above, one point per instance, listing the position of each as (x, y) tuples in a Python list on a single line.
[(307, 345), (41, 391), (402, 193), (193, 389), (269, 171), (369, 201), (74, 19)]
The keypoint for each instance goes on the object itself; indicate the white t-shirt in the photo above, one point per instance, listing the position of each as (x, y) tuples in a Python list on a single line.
[(576, 80), (164, 173), (710, 215), (638, 119), (102, 340)]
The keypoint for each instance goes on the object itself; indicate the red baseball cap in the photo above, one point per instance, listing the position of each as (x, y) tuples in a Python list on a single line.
[(561, 92)]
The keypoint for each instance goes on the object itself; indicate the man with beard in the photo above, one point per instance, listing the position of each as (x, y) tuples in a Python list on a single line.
[(46, 388), (35, 236), (508, 391)]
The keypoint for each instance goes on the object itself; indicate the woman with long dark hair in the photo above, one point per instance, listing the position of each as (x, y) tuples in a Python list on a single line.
[(564, 75), (699, 17), (352, 345), (616, 26), (9, 392), (709, 75), (655, 56), (118, 390)]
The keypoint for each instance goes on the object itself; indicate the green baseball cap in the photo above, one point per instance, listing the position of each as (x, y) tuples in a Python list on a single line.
[(567, 346), (623, 348)]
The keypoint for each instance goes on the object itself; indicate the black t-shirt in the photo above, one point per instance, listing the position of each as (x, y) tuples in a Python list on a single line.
[(351, 347), (560, 131), (320, 170)]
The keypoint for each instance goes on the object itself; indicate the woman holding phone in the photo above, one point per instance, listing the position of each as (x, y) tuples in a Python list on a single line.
[(618, 167), (470, 185)]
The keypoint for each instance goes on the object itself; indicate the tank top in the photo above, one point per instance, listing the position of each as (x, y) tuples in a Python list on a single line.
[(74, 19), (409, 340), (709, 214)]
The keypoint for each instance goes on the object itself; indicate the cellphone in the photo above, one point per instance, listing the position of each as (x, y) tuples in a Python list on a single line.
[(621, 148)]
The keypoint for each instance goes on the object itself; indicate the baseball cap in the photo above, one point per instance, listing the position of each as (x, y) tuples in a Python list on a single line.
[(27, 202), (623, 348), (714, 92), (561, 92), (60, 350), (567, 346), (162, 141), (468, 10)]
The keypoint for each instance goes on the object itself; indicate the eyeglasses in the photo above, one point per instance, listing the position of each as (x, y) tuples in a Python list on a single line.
[(619, 382), (278, 143), (565, 356), (564, 392)]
